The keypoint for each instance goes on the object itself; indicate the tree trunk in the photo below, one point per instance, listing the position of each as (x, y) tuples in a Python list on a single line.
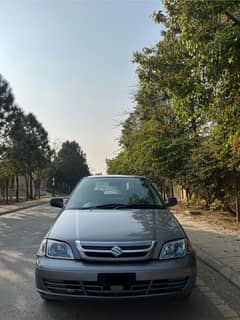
[(17, 188), (172, 190), (188, 194), (35, 188), (12, 183), (7, 185), (237, 200), (31, 187), (3, 192), (207, 204), (39, 189), (26, 181), (164, 191)]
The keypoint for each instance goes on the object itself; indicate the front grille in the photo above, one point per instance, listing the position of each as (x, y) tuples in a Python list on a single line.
[(104, 251), (131, 288), (65, 287), (109, 255), (125, 247)]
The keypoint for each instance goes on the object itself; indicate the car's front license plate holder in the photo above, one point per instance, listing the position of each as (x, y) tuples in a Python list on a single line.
[(116, 280), (116, 288)]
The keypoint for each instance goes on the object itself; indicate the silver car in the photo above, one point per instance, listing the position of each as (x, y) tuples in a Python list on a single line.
[(115, 238)]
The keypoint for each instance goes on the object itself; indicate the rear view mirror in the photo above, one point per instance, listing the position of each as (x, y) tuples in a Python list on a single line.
[(171, 202), (57, 202)]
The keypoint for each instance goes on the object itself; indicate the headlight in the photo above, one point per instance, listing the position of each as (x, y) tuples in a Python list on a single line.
[(174, 249), (58, 250), (42, 248)]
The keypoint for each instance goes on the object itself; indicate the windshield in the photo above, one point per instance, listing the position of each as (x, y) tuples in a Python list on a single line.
[(114, 193)]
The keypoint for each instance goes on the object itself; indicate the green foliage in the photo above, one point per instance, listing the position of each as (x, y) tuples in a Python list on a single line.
[(69, 166), (8, 110), (29, 146), (185, 126), (25, 151)]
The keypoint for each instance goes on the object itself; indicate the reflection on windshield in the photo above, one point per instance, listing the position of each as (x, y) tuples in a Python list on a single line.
[(114, 193)]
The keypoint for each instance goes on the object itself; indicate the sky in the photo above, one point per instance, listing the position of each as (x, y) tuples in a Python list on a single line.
[(69, 63)]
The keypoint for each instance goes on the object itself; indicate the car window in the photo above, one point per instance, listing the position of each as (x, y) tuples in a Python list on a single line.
[(93, 192), (107, 187)]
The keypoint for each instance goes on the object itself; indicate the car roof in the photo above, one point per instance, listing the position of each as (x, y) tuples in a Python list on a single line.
[(113, 176)]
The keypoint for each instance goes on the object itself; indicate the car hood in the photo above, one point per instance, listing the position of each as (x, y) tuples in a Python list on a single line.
[(116, 225)]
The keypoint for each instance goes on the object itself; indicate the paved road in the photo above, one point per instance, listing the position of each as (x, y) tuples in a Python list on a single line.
[(20, 235)]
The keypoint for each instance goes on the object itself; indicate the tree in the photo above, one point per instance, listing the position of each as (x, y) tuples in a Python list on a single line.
[(69, 166), (209, 31), (29, 150), (185, 125), (8, 109), (8, 114)]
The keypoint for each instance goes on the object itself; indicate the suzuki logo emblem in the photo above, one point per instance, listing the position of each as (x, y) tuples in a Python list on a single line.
[(116, 251)]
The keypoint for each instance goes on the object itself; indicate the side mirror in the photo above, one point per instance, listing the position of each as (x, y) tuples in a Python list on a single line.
[(171, 202), (57, 202)]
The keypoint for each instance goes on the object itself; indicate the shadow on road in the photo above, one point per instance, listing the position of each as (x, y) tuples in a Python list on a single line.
[(20, 236)]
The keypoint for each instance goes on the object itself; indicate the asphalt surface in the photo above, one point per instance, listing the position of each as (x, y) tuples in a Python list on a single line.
[(20, 235)]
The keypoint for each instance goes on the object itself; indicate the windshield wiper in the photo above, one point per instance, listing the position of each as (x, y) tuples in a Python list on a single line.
[(124, 206), (140, 206), (127, 206), (103, 206), (109, 206)]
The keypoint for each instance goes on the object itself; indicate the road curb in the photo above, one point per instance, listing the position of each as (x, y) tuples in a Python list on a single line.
[(227, 272), (216, 264), (29, 206)]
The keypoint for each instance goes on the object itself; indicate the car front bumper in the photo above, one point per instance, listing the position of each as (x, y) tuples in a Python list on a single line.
[(70, 279)]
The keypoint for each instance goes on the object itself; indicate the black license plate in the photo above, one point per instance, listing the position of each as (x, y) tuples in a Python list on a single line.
[(115, 279)]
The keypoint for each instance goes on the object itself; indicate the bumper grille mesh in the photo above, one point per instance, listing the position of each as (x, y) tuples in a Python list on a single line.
[(136, 288)]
